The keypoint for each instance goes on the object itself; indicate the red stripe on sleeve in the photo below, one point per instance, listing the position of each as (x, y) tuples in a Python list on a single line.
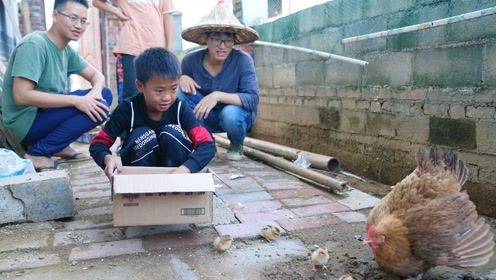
[(103, 137), (199, 134)]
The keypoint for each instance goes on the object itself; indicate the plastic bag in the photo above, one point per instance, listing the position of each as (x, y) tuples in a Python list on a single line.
[(301, 161), (12, 165)]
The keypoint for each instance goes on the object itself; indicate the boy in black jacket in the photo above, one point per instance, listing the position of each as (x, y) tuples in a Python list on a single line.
[(153, 123)]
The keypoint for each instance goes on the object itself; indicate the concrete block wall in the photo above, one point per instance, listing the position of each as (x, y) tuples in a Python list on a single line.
[(429, 87)]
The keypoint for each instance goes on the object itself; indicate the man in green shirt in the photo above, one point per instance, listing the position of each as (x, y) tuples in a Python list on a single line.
[(36, 109)]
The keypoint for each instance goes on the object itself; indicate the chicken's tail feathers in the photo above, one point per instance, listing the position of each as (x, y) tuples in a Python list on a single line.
[(474, 247), (428, 162), (440, 158), (455, 166)]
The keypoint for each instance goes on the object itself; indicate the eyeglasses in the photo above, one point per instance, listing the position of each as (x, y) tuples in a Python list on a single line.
[(74, 19), (228, 43)]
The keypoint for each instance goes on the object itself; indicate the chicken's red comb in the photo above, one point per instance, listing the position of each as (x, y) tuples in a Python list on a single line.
[(371, 228)]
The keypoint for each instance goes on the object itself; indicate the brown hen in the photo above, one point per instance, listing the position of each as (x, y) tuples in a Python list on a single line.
[(425, 220)]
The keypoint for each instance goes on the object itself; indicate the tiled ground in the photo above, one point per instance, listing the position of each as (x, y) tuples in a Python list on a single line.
[(263, 195)]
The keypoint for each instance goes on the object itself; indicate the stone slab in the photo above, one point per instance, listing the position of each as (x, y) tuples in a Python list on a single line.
[(42, 196), (78, 237), (107, 249), (179, 239), (351, 217), (9, 236), (22, 261), (357, 200), (246, 230)]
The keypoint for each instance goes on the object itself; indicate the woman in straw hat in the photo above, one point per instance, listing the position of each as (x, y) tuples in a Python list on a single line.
[(219, 82)]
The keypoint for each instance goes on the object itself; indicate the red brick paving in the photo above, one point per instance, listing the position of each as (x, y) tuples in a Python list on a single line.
[(314, 210), (238, 182), (281, 214), (256, 206), (305, 192), (299, 202), (309, 222), (282, 186)]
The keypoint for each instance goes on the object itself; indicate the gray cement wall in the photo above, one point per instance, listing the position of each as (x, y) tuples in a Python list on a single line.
[(429, 87)]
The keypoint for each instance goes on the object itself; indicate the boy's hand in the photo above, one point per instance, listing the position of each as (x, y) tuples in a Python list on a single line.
[(112, 163), (181, 170)]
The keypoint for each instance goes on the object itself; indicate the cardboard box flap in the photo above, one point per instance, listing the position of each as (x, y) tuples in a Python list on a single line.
[(156, 183), (130, 170)]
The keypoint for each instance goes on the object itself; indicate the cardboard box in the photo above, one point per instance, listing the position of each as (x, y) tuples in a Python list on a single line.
[(153, 196)]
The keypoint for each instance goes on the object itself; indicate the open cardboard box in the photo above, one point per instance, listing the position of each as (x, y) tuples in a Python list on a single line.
[(153, 196)]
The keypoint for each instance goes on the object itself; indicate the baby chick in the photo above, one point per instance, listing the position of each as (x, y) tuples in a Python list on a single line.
[(320, 257), (346, 277), (270, 232), (222, 243)]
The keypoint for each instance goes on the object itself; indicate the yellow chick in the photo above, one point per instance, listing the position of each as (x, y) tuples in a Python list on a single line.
[(270, 232), (346, 277), (320, 257), (222, 243)]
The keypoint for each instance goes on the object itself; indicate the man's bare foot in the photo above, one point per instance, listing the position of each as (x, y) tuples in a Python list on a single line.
[(40, 162)]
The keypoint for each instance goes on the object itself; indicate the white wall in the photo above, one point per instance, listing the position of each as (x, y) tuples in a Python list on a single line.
[(255, 12)]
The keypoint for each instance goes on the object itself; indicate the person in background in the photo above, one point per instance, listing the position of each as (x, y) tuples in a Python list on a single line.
[(219, 83), (145, 24), (155, 121), (36, 110)]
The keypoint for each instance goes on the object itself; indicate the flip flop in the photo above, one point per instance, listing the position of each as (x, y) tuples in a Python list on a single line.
[(46, 168), (74, 158)]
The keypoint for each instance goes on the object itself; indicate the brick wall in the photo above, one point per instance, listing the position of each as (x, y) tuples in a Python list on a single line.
[(431, 87), (36, 16)]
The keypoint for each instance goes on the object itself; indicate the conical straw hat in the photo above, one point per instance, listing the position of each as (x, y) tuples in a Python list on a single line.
[(220, 19)]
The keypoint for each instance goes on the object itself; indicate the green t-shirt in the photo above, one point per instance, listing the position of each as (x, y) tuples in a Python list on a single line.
[(38, 59)]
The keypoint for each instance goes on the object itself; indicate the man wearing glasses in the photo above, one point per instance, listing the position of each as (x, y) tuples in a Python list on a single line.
[(220, 82), (36, 109)]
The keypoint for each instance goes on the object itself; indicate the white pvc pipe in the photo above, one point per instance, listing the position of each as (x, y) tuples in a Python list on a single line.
[(422, 26), (319, 53)]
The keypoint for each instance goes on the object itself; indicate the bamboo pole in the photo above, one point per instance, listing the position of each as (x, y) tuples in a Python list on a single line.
[(421, 26), (310, 51), (331, 183), (316, 160)]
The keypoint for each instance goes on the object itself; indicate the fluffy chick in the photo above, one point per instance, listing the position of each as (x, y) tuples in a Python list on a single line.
[(320, 257), (346, 277), (270, 232), (222, 243)]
